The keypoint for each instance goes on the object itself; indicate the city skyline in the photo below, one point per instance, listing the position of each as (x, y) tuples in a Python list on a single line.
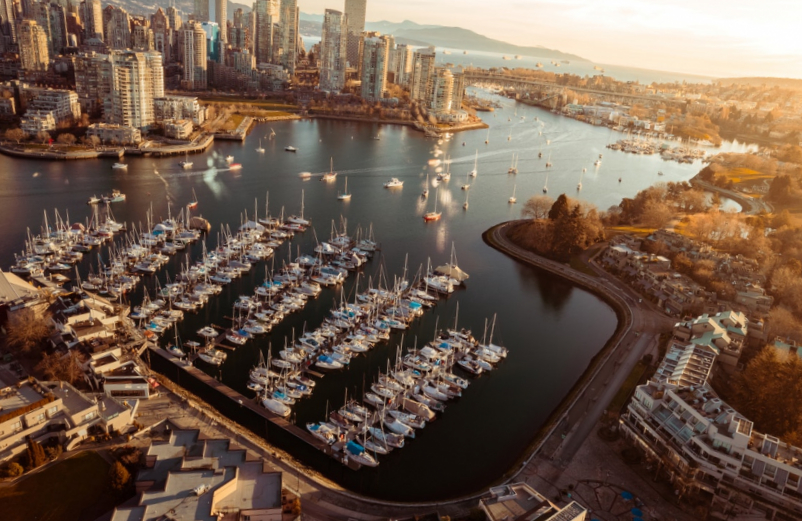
[(718, 39)]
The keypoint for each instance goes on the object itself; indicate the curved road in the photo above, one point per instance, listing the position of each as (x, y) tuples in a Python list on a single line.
[(749, 205)]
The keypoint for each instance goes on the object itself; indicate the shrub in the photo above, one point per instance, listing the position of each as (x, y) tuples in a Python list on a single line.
[(54, 452), (13, 469), (118, 476)]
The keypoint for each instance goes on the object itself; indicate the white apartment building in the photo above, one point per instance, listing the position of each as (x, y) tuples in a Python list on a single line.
[(333, 49), (709, 448), (63, 104), (195, 54), (375, 56), (137, 79), (179, 107), (36, 121), (120, 134)]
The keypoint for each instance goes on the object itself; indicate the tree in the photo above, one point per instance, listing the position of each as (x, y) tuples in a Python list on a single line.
[(537, 207), (118, 476), (36, 454), (43, 136), (560, 208), (656, 214), (66, 139), (26, 330), (15, 134), (54, 452), (13, 469), (55, 366)]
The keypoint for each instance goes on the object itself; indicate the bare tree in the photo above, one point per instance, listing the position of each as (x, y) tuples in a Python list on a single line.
[(15, 134), (537, 207), (26, 331), (66, 139)]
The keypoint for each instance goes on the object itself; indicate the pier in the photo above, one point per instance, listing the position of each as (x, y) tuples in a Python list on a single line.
[(250, 403)]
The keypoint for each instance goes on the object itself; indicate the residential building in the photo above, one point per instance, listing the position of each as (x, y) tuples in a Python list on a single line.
[(422, 74), (221, 18), (179, 107), (51, 18), (44, 410), (120, 134), (34, 53), (724, 333), (243, 61), (142, 37), (201, 11), (178, 128), (92, 18), (63, 104), (16, 293), (195, 48), (174, 17), (355, 16), (519, 501), (289, 35), (36, 121), (375, 55), (8, 28), (93, 81), (187, 478), (266, 16), (402, 65), (116, 28), (333, 46), (441, 97), (686, 364), (707, 447), (109, 372), (137, 78), (755, 299), (163, 35)]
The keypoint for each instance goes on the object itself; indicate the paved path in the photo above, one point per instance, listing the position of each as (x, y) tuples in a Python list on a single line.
[(749, 205)]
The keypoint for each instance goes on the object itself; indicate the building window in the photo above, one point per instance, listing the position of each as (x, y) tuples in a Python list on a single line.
[(40, 417), (89, 416), (53, 410), (17, 426)]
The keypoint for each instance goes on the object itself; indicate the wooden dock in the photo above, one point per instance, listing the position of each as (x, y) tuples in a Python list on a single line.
[(251, 404)]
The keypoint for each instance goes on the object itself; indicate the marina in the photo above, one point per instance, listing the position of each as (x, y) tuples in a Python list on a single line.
[(539, 325)]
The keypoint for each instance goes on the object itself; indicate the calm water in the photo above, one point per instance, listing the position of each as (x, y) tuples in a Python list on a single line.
[(551, 328)]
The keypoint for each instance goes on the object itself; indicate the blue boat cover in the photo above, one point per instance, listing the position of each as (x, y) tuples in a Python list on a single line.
[(354, 448)]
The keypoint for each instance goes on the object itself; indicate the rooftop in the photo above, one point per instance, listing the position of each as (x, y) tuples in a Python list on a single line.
[(18, 398)]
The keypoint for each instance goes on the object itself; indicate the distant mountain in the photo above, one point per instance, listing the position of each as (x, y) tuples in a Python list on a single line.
[(186, 7), (459, 38), (416, 34)]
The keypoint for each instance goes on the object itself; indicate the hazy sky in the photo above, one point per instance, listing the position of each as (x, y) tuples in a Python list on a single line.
[(710, 37)]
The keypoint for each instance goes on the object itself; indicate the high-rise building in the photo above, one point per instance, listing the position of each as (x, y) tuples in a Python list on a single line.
[(214, 46), (289, 35), (162, 34), (8, 29), (441, 96), (333, 48), (92, 18), (201, 11), (194, 55), (174, 17), (375, 53), (458, 92), (402, 63), (116, 27), (239, 18), (137, 78), (221, 17), (53, 21), (355, 15), (93, 81), (266, 15), (34, 54), (422, 74), (142, 37)]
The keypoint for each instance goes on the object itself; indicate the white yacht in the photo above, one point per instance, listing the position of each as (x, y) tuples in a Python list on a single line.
[(394, 183), (290, 149), (276, 407), (119, 166)]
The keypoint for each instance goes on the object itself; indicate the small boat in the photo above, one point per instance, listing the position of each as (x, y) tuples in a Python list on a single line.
[(465, 204), (434, 215), (425, 192), (597, 162), (119, 166), (93, 200), (260, 150), (186, 163), (305, 175), (323, 432), (357, 452), (394, 183), (276, 407), (194, 203), (546, 185), (660, 173), (475, 171), (513, 200), (331, 175), (229, 159), (290, 149), (235, 166), (176, 352), (345, 196)]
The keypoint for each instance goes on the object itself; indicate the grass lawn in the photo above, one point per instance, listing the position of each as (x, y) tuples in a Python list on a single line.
[(231, 100), (626, 389), (745, 176), (631, 230), (73, 489)]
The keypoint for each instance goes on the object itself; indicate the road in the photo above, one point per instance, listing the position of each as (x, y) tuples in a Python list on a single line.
[(749, 205)]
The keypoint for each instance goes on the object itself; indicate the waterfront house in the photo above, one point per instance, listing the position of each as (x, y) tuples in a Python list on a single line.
[(187, 478), (519, 501), (44, 410), (723, 332)]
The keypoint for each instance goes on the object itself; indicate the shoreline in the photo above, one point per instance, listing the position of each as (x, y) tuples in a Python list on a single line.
[(540, 437), (413, 124)]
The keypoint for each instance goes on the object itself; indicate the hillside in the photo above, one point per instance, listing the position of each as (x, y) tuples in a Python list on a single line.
[(787, 83)]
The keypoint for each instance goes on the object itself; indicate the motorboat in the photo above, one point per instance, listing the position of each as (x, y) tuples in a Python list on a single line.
[(323, 431), (235, 166), (290, 149), (229, 159), (260, 150), (410, 419), (276, 407), (119, 166), (93, 200), (207, 332), (305, 175), (394, 183)]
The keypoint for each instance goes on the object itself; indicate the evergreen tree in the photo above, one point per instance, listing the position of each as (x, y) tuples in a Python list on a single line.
[(118, 476)]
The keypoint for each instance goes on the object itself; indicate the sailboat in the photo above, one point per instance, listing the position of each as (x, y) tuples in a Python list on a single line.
[(445, 176), (260, 149), (435, 215), (272, 134), (579, 185), (465, 204), (467, 185), (194, 204), (331, 175), (487, 140), (509, 138), (475, 164), (345, 196), (514, 166), (548, 161), (186, 163), (425, 192), (513, 200), (546, 184)]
